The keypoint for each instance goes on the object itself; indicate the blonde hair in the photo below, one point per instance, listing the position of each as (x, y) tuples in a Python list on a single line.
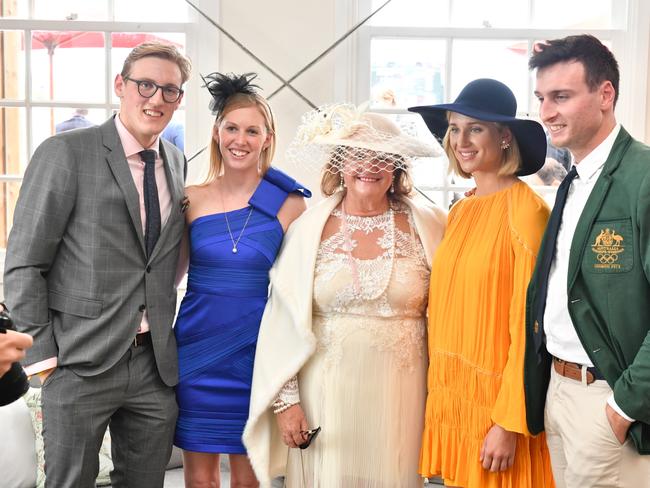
[(510, 161), (331, 179), (158, 50), (243, 100)]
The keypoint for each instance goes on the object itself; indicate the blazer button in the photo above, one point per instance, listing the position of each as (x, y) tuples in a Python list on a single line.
[(536, 327), (142, 307), (148, 269)]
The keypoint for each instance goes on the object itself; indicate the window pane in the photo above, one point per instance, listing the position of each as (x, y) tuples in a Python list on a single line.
[(15, 9), (13, 160), (493, 13), (151, 10), (411, 13), (13, 64), (407, 72), (503, 60), (124, 42), (8, 196), (48, 121), (575, 14), (13, 141), (71, 9), (56, 59)]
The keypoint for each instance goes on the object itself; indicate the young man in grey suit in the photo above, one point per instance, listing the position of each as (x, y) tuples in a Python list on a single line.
[(89, 273), (587, 364)]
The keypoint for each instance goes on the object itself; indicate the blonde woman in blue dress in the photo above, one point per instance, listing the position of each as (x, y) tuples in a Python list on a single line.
[(236, 221)]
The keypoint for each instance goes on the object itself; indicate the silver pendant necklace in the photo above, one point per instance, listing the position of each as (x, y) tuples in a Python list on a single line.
[(241, 233)]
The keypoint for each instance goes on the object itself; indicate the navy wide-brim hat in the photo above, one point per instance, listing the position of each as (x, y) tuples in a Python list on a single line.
[(491, 101)]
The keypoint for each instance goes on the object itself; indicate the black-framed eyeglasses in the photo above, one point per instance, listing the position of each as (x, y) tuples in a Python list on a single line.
[(148, 89)]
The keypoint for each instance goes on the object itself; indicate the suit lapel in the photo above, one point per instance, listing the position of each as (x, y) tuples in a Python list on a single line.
[(176, 191), (594, 204), (174, 178), (120, 169)]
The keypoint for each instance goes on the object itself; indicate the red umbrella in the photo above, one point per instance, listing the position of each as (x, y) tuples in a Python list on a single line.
[(51, 40)]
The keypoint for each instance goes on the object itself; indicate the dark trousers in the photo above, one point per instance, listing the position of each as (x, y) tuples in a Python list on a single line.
[(130, 399)]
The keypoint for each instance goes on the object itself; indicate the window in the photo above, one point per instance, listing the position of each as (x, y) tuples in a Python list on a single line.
[(58, 60), (421, 52)]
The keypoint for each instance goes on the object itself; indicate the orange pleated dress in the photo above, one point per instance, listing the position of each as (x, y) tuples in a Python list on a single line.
[(476, 340)]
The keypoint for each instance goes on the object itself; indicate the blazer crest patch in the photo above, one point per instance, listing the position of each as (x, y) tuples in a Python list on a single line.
[(611, 247), (607, 246)]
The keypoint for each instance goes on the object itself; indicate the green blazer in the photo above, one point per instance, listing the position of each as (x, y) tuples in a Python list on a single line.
[(608, 290)]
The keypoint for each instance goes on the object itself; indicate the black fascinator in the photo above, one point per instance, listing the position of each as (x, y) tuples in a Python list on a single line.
[(223, 86)]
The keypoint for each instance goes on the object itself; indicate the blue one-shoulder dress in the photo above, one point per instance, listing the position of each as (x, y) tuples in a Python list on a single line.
[(219, 317)]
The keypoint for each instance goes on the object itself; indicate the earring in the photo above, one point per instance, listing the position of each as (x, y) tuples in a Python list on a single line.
[(505, 145), (341, 182), (259, 166), (392, 186)]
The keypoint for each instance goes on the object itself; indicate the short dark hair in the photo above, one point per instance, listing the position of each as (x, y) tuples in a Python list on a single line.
[(599, 62)]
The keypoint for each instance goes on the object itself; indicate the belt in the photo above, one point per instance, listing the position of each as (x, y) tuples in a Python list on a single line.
[(142, 339), (574, 371)]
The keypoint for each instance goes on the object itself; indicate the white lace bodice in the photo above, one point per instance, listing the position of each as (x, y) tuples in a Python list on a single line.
[(392, 278), (371, 277), (375, 280)]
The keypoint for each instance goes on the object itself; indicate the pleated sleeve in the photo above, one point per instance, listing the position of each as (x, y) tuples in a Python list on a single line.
[(528, 215)]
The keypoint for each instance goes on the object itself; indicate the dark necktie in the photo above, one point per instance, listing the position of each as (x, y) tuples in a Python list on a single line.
[(151, 204), (548, 253)]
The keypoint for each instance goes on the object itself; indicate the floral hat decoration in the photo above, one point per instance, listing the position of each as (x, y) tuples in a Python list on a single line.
[(345, 136), (222, 86)]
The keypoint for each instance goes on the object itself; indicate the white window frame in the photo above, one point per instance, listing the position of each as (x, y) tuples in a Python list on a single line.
[(630, 46), (198, 33)]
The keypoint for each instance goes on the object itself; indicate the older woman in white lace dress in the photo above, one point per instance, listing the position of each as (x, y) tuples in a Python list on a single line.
[(342, 341)]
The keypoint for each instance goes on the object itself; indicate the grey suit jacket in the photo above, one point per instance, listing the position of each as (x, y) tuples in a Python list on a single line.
[(76, 273)]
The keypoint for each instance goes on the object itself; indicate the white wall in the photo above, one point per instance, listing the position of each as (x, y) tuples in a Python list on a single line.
[(288, 34), (291, 35)]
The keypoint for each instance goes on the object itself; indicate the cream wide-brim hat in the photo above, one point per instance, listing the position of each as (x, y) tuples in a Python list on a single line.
[(342, 132)]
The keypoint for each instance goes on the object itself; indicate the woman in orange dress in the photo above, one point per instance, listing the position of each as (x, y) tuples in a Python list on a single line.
[(475, 431)]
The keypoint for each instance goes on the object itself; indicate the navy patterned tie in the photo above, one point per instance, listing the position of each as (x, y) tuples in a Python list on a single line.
[(548, 253), (151, 204)]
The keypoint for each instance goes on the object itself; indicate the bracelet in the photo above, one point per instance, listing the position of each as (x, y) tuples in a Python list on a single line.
[(280, 406)]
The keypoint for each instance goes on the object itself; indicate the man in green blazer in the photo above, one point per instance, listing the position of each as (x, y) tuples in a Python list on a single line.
[(587, 366)]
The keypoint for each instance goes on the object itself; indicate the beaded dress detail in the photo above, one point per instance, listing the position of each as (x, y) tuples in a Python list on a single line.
[(366, 383)]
